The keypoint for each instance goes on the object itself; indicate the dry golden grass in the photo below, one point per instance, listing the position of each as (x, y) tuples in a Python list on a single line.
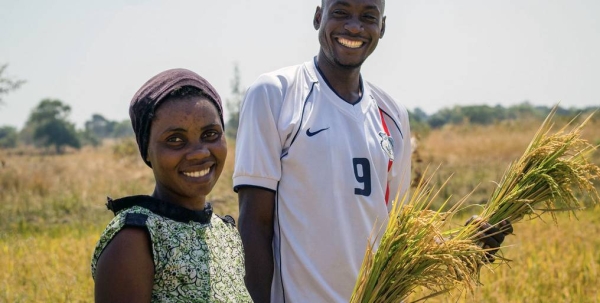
[(47, 267), (61, 189), (52, 212), (477, 156), (501, 142)]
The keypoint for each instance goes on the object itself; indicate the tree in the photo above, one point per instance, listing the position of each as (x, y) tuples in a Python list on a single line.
[(418, 121), (88, 138), (233, 104), (51, 127), (123, 129), (446, 116), (26, 135), (8, 137), (419, 115), (100, 126), (7, 85), (482, 114)]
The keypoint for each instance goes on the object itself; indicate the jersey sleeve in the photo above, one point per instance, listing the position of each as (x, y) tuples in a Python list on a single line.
[(258, 144)]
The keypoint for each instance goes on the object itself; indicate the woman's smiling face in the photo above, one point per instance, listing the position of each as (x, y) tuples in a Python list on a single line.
[(187, 150)]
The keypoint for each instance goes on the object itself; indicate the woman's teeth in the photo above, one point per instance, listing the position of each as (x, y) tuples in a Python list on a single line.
[(197, 174)]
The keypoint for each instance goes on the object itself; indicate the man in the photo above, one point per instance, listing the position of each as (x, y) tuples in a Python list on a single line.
[(320, 157)]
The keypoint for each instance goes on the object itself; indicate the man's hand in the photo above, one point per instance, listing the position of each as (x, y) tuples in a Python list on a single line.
[(491, 236)]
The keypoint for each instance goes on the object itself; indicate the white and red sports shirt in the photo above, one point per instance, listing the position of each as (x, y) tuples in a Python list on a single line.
[(330, 163)]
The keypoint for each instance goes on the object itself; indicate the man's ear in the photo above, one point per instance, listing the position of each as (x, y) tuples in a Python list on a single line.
[(317, 18), (382, 28)]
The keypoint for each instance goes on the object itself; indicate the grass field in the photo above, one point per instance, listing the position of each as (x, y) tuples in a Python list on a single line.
[(52, 213)]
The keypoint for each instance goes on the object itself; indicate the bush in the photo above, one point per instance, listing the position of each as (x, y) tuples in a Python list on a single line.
[(8, 137)]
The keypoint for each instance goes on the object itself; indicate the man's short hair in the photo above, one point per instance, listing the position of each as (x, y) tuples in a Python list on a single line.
[(382, 4)]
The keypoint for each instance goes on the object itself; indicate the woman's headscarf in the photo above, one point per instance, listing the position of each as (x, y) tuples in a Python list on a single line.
[(152, 93)]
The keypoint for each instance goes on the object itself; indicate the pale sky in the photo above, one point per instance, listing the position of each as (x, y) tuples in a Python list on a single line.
[(94, 55)]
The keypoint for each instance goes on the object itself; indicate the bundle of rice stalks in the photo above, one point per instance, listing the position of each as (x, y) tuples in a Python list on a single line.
[(544, 178), (416, 252)]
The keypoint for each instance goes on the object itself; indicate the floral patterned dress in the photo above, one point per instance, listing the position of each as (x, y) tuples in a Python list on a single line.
[(194, 260)]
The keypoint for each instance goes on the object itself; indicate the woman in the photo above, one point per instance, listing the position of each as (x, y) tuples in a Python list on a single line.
[(169, 246)]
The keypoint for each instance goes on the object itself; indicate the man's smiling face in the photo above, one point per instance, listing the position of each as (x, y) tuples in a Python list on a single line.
[(349, 30)]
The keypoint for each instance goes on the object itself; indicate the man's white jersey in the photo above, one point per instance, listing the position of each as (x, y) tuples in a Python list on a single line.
[(331, 164)]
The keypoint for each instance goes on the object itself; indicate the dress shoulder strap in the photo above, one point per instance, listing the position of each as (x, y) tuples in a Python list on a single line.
[(135, 220)]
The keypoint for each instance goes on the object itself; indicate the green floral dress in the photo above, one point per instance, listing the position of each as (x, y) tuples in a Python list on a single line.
[(194, 261)]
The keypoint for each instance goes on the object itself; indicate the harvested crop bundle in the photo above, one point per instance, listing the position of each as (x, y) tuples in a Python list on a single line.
[(414, 252), (544, 178), (418, 251)]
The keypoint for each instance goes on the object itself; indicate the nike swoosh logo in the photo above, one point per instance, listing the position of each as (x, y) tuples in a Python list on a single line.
[(310, 134)]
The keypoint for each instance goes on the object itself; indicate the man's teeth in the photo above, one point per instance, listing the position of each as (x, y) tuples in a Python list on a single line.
[(350, 43), (197, 174)]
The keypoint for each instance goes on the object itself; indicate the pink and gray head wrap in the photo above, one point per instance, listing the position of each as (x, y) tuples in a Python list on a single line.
[(152, 93)]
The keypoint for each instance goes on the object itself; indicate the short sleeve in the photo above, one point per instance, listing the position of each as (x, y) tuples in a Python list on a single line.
[(258, 143)]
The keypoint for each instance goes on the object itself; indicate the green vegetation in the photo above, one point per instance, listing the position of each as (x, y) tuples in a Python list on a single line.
[(487, 115), (8, 137), (99, 128), (49, 121)]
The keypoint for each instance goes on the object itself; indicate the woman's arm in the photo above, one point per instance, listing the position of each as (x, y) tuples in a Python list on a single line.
[(125, 270)]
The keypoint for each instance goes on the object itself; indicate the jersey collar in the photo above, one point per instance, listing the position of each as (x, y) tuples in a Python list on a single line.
[(314, 69)]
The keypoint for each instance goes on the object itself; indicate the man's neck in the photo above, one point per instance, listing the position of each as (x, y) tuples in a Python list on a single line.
[(344, 81)]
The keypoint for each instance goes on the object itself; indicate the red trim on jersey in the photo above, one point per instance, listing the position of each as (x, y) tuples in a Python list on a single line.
[(387, 131)]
